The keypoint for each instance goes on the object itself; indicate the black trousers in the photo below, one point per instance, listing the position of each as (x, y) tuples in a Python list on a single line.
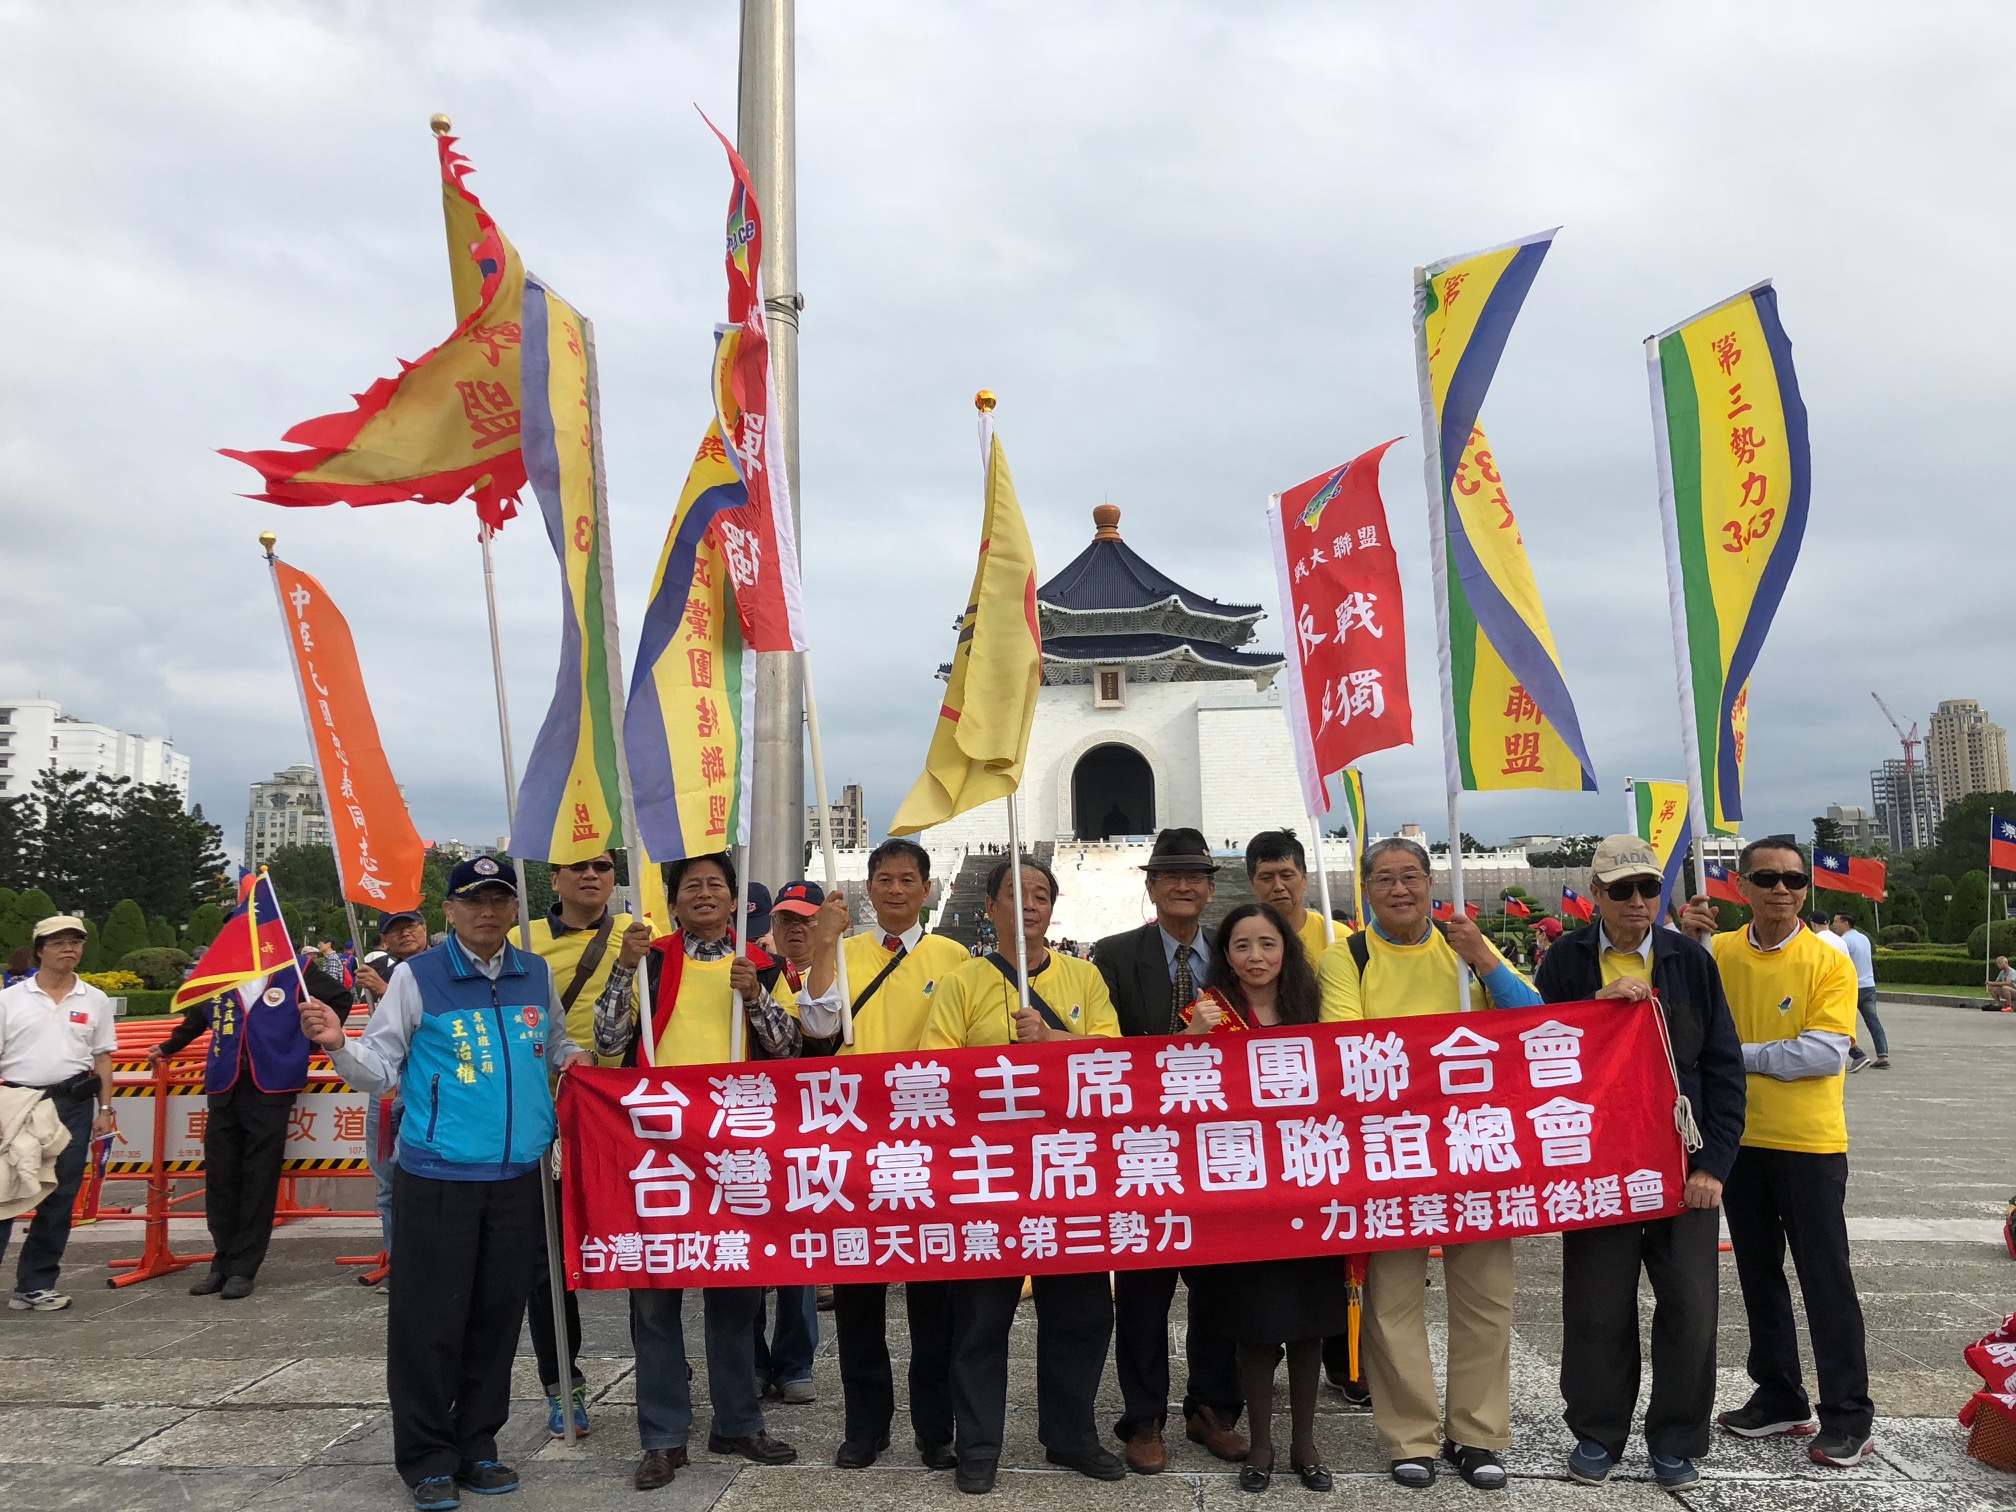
[(1599, 1331), (545, 1344), (1141, 1301), (1074, 1324), (867, 1382), (464, 1262), (1780, 1199), (244, 1141)]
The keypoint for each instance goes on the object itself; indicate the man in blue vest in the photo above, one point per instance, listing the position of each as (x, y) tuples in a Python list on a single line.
[(258, 1062), (467, 1031)]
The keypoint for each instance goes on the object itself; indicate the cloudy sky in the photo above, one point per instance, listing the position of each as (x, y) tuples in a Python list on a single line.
[(1176, 238)]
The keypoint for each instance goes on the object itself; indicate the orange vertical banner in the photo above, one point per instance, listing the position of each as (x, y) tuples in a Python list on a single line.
[(378, 852)]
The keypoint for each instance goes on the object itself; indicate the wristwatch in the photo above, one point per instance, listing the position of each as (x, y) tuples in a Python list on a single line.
[(104, 1107)]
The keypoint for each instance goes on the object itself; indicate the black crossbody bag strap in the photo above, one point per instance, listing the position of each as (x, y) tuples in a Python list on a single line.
[(1002, 965), (591, 957), (880, 977)]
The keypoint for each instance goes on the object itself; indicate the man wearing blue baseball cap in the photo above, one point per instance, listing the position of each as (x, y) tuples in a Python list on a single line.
[(468, 1031)]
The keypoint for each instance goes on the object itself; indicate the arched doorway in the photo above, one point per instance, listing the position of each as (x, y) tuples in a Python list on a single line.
[(1112, 793)]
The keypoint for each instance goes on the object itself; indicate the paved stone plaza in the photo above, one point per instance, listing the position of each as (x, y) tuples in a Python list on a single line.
[(149, 1398)]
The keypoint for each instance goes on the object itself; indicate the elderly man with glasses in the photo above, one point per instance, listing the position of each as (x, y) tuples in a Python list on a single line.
[(1403, 965), (1626, 955), (1793, 999)]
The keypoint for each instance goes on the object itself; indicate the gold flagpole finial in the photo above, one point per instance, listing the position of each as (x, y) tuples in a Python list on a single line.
[(984, 401), (268, 540), (440, 124)]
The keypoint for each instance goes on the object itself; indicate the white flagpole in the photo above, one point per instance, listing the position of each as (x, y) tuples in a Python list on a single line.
[(1438, 551), (737, 1029), (826, 841), (1322, 881)]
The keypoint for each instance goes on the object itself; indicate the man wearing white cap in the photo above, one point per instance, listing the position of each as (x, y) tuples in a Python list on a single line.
[(56, 1033)]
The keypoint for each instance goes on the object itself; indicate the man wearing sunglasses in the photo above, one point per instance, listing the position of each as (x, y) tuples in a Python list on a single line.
[(1626, 955), (1793, 999)]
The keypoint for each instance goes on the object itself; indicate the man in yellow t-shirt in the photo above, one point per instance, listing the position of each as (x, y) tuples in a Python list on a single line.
[(1278, 869), (979, 1004), (893, 974), (1793, 999), (1401, 966)]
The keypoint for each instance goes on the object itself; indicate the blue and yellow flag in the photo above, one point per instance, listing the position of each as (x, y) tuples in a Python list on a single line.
[(1662, 824), (1514, 722), (1735, 472), (692, 691), (569, 803), (1352, 781)]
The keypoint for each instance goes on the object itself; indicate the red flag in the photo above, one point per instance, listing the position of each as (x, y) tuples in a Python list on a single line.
[(2001, 843), (1347, 635), (1442, 909), (253, 943), (1514, 909), (1722, 884), (1575, 906), (1849, 874)]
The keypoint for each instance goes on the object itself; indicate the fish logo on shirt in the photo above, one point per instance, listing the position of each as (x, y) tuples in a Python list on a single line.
[(1785, 1004), (930, 987)]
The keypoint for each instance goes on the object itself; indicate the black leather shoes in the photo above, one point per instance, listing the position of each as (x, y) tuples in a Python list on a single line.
[(976, 1477), (1096, 1462), (658, 1467), (937, 1456), (209, 1286), (859, 1454), (237, 1288), (757, 1448)]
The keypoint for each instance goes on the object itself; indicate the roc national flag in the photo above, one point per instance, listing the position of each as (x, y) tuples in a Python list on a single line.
[(1662, 824), (692, 691), (1514, 723), (2001, 843), (1443, 909), (1720, 882), (251, 946), (569, 802), (1839, 872), (1734, 479), (982, 734), (1575, 906), (1514, 907), (450, 424)]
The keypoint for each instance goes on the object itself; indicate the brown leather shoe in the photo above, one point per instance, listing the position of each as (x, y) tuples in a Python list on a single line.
[(1205, 1427), (1146, 1453), (658, 1467)]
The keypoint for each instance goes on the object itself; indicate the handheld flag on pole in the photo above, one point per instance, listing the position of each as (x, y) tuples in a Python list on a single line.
[(379, 855), (982, 735), (1735, 474), (1346, 653), (1719, 883), (1661, 810), (252, 945), (1575, 906), (1838, 872), (449, 424)]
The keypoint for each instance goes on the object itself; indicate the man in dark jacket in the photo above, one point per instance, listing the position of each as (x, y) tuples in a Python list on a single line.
[(1153, 973), (1627, 954)]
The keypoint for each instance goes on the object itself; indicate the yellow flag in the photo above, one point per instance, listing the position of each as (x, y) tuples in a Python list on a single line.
[(982, 734)]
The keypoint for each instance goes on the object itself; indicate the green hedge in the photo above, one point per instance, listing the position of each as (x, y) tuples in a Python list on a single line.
[(147, 1004), (1946, 969)]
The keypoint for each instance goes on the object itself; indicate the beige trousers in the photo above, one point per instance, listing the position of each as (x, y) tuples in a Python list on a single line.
[(1405, 1405)]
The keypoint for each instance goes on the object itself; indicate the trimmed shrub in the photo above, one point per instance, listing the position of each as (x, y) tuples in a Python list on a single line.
[(2005, 939), (1945, 970), (159, 969), (1898, 934)]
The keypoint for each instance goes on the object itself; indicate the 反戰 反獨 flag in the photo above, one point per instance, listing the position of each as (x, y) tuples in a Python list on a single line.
[(1513, 722), (1735, 474), (1347, 630)]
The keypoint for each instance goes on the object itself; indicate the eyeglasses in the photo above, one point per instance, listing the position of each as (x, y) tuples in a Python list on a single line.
[(1644, 887), (1765, 881), (600, 868), (1404, 881)]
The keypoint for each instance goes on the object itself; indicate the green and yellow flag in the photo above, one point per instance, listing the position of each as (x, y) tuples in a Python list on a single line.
[(1352, 781), (1662, 824), (1735, 473), (982, 734)]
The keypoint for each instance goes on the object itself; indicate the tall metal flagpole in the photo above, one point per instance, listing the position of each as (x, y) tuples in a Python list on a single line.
[(1438, 551), (268, 540), (826, 842), (766, 134)]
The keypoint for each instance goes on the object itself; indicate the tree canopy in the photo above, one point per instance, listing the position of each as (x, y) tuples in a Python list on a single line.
[(90, 842)]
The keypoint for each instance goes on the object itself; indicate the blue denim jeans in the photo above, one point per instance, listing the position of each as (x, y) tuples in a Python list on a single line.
[(665, 1384), (787, 1354), (49, 1234), (1865, 1004)]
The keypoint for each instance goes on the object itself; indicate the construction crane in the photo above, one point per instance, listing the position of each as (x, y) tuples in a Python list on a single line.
[(1909, 833)]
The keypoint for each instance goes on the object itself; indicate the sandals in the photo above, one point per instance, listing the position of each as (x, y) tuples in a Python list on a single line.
[(1480, 1467), (1314, 1476), (1416, 1474), (1253, 1478)]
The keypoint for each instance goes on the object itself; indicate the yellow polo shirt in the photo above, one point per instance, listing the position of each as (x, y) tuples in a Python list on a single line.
[(1400, 981), (1779, 995), (562, 954), (895, 1017), (975, 1005), (1314, 943), (704, 1013)]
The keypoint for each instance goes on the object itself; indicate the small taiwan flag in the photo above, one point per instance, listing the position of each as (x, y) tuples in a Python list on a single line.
[(2001, 843), (1515, 908), (1444, 910), (1722, 883), (1849, 874), (1575, 906)]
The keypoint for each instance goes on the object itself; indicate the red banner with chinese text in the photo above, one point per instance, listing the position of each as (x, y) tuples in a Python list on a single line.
[(1118, 1154), (1347, 648)]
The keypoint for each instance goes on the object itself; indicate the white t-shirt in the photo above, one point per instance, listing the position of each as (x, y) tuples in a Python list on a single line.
[(43, 1042), (1856, 944)]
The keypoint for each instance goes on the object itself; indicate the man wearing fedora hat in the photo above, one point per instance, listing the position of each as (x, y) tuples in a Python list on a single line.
[(1626, 954), (1153, 974)]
